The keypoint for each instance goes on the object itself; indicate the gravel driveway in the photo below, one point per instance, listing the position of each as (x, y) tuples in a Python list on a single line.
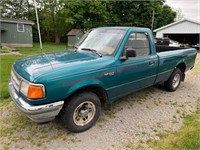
[(133, 120)]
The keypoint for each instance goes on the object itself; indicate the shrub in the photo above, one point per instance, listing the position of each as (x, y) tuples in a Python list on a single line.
[(5, 49)]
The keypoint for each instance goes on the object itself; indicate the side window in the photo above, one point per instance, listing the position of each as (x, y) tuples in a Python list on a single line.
[(20, 27), (138, 42)]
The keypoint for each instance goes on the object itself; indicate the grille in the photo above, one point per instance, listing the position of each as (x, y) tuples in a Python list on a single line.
[(16, 80)]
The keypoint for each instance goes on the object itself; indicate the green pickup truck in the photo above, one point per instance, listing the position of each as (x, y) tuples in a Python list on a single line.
[(107, 63)]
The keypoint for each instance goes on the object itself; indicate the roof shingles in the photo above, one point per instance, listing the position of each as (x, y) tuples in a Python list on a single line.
[(73, 32), (16, 21)]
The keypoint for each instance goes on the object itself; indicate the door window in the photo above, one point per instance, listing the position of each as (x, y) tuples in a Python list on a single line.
[(138, 42)]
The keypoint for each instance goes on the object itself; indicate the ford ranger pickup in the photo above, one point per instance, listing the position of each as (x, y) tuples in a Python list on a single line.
[(106, 63)]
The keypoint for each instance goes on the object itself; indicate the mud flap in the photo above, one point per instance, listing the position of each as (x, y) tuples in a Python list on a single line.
[(183, 76)]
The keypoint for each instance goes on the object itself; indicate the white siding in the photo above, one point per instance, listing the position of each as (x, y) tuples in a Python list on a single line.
[(184, 27)]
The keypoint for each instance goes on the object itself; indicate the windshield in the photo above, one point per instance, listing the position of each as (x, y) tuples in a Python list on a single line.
[(104, 41)]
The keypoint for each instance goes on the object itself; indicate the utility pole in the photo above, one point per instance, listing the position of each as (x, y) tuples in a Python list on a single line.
[(38, 25), (152, 21)]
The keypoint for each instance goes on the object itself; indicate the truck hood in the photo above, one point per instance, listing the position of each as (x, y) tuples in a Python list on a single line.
[(35, 66)]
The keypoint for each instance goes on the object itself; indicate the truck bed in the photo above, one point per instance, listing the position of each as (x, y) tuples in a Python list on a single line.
[(164, 48), (169, 57)]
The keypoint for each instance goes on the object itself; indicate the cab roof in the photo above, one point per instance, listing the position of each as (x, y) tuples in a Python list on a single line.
[(125, 28)]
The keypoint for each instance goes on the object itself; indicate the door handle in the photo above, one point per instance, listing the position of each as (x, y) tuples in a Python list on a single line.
[(151, 63)]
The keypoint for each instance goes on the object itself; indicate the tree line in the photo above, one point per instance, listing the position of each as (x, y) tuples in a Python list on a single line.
[(57, 17)]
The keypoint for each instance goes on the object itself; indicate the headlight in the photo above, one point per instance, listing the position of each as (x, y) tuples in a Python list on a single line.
[(24, 88), (32, 91)]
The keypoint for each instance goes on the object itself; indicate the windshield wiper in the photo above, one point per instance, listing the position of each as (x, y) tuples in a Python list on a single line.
[(92, 50), (76, 48)]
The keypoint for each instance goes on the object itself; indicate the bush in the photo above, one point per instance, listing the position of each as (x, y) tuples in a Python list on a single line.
[(5, 49)]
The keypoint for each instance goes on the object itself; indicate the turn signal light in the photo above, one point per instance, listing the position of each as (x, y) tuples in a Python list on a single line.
[(35, 92)]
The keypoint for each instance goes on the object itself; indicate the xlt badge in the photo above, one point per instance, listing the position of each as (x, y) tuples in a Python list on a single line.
[(109, 73)]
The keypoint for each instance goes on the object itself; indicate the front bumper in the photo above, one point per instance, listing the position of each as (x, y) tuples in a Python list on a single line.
[(40, 113)]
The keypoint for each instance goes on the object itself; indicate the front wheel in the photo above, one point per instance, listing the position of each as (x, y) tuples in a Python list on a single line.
[(81, 112), (174, 81)]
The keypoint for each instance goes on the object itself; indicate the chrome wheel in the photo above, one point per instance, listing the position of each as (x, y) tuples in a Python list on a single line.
[(176, 80), (84, 113)]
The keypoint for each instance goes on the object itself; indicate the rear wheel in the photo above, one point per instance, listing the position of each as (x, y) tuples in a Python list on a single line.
[(174, 81), (81, 112)]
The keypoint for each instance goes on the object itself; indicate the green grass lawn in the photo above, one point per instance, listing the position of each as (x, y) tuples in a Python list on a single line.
[(47, 47), (6, 62), (187, 138)]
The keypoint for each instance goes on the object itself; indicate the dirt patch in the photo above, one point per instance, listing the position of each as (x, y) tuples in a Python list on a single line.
[(133, 120)]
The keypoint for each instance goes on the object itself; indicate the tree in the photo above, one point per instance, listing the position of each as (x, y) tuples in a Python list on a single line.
[(179, 15), (13, 9), (140, 13), (73, 12), (52, 19), (95, 14), (56, 17), (86, 14), (165, 16)]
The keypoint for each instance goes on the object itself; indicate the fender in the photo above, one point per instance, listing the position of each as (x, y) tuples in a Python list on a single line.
[(182, 67), (83, 84), (181, 62)]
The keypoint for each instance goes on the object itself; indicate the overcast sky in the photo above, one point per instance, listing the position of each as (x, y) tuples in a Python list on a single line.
[(189, 8)]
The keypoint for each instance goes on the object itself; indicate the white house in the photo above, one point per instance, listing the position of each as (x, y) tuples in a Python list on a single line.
[(184, 31)]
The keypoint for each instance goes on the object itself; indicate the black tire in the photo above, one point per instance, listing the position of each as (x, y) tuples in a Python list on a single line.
[(81, 112), (174, 81)]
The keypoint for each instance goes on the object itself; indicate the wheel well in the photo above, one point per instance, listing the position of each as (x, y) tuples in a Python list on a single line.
[(100, 92), (182, 67)]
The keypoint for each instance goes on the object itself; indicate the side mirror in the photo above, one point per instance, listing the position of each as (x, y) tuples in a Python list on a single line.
[(130, 53)]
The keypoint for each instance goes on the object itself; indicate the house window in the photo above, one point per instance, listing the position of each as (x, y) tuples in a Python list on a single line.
[(20, 27)]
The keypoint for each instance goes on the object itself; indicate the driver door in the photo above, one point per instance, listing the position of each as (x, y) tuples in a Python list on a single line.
[(138, 72)]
